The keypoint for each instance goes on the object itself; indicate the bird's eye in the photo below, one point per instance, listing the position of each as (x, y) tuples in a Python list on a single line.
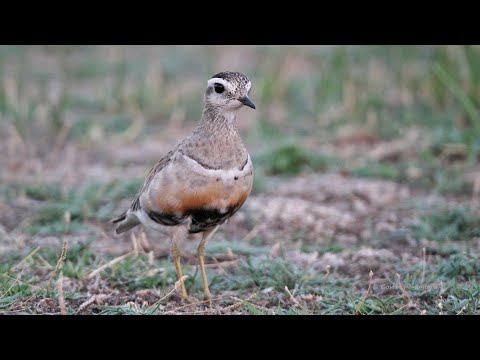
[(219, 88)]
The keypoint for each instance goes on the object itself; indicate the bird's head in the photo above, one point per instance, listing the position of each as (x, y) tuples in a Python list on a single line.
[(228, 91)]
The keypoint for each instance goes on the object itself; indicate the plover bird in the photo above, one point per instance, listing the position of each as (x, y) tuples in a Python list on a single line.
[(204, 180)]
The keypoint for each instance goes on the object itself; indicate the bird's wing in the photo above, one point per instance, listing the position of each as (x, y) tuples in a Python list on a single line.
[(128, 219), (154, 171)]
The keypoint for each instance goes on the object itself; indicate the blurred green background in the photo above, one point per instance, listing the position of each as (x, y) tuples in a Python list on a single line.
[(80, 126), (308, 96)]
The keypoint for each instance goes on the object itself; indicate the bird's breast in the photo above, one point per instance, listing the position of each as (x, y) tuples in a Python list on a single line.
[(185, 187)]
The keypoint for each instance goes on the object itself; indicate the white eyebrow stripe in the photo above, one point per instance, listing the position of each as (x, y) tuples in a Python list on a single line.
[(225, 83)]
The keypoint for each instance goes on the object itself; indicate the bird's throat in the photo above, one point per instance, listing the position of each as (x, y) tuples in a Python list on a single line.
[(219, 122)]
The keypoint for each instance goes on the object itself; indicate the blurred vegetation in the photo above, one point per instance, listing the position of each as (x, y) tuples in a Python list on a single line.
[(455, 224), (96, 201), (96, 93), (291, 159)]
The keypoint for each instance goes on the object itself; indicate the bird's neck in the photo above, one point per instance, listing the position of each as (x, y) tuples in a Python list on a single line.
[(218, 141), (218, 122)]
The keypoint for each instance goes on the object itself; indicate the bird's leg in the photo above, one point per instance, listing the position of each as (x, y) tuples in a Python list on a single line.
[(200, 252), (179, 233)]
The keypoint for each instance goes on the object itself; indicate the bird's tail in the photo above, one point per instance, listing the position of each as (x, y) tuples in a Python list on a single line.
[(126, 221)]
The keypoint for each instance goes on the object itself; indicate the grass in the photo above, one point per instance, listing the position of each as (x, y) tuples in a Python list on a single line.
[(84, 123), (292, 159), (447, 285), (93, 202), (455, 224)]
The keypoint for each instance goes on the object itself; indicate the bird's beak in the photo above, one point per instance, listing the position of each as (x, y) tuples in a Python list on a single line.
[(246, 101)]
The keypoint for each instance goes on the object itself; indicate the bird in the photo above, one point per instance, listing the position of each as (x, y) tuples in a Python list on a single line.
[(203, 180)]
